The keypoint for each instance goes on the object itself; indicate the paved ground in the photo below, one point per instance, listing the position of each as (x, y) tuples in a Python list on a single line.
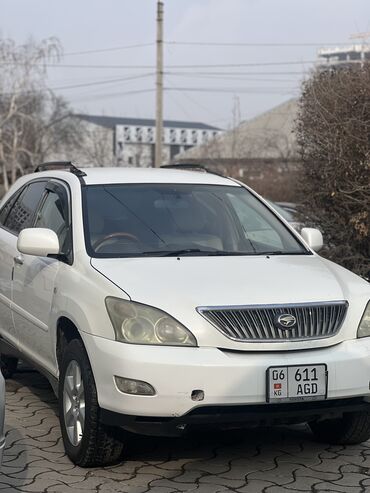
[(272, 460)]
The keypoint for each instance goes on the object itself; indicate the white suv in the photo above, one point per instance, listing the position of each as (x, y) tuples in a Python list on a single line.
[(158, 299)]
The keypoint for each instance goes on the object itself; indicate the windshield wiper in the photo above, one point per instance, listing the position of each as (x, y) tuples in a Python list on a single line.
[(280, 252), (221, 253), (213, 253), (183, 251), (172, 253), (189, 251)]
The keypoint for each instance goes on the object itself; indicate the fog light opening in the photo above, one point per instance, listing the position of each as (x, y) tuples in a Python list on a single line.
[(133, 387), (197, 395)]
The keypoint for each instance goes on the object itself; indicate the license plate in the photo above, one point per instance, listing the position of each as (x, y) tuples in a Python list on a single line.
[(296, 383)]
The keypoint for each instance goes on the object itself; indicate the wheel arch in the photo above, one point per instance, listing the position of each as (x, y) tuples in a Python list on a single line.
[(75, 318), (66, 331)]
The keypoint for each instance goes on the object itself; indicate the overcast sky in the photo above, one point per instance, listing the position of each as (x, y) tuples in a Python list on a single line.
[(198, 92)]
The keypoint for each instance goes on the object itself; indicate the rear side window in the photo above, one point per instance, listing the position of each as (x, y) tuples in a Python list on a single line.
[(23, 211), (7, 207)]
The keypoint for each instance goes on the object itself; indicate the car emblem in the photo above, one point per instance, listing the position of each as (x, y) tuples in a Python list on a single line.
[(285, 321)]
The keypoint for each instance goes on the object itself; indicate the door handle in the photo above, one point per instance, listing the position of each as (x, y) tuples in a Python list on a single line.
[(18, 260)]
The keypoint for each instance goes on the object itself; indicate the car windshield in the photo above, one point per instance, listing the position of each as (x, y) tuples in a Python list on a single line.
[(134, 220), (288, 215)]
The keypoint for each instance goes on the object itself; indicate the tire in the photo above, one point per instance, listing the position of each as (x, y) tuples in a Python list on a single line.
[(8, 366), (97, 445), (351, 429)]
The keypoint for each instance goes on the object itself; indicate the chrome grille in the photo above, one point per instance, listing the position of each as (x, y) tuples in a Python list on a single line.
[(258, 322)]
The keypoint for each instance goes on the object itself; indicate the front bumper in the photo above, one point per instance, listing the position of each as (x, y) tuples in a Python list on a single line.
[(228, 378), (236, 416)]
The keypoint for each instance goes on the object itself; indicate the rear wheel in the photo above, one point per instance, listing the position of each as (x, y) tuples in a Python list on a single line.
[(351, 429), (8, 365), (87, 442)]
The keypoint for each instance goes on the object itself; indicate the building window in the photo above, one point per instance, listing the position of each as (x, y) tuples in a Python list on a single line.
[(139, 134), (149, 135), (127, 134), (172, 135)]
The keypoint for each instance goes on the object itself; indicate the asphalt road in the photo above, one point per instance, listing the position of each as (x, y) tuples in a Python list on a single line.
[(270, 460)]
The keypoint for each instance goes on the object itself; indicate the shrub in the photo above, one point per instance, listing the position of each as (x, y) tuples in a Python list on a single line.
[(333, 131)]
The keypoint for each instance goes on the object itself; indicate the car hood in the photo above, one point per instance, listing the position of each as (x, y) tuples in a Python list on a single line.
[(180, 285)]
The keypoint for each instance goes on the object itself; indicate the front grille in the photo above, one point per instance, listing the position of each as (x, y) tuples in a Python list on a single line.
[(259, 322)]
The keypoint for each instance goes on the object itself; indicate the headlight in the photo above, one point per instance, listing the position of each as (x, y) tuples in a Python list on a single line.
[(364, 327), (142, 324)]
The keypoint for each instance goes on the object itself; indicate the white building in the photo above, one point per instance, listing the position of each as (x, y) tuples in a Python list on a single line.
[(343, 56), (132, 140)]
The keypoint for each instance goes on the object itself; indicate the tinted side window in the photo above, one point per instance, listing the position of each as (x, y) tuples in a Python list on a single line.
[(23, 211), (53, 215), (7, 207)]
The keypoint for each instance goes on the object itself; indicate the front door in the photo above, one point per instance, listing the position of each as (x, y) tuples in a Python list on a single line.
[(16, 214), (34, 281)]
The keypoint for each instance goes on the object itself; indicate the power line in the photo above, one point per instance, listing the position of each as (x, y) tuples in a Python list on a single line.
[(249, 90), (232, 73), (254, 45), (96, 83), (192, 100), (230, 77), (104, 50), (79, 66), (256, 90), (250, 64), (199, 43), (114, 95), (86, 84), (138, 67)]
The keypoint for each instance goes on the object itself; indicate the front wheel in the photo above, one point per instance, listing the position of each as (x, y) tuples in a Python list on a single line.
[(351, 429), (87, 442)]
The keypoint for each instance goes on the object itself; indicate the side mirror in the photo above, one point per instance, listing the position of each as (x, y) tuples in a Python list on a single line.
[(313, 238), (38, 241)]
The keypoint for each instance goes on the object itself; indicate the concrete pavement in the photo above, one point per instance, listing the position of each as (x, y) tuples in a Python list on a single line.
[(273, 460)]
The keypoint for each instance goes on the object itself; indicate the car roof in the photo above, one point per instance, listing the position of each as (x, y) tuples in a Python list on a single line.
[(95, 176)]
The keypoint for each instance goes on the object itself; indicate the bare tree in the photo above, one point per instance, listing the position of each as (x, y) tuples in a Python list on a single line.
[(34, 123), (94, 144)]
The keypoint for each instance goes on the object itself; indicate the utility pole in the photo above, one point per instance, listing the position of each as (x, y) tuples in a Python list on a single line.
[(159, 87)]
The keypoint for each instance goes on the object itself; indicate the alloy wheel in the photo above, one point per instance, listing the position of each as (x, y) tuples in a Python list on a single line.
[(74, 403)]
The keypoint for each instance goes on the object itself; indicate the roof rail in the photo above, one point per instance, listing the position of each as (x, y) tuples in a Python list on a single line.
[(62, 165), (192, 166)]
